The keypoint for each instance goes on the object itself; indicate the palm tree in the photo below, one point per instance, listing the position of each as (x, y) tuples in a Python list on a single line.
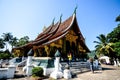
[(7, 37), (103, 45), (13, 42), (1, 43)]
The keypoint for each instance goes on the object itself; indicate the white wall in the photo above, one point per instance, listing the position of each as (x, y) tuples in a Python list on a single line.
[(7, 72)]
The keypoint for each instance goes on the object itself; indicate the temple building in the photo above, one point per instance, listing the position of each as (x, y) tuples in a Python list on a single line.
[(63, 36)]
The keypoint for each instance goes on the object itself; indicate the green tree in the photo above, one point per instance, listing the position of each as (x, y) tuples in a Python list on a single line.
[(114, 37), (13, 42), (2, 44), (7, 37), (103, 46), (118, 19), (116, 46), (22, 41)]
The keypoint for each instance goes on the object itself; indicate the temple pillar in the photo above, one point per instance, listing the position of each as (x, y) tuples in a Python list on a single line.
[(47, 50), (40, 52), (64, 47), (77, 50), (118, 63), (115, 63)]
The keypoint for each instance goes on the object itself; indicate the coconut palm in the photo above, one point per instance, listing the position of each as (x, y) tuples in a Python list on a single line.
[(103, 46), (7, 37)]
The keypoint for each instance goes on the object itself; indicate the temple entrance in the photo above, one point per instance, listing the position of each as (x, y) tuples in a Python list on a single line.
[(73, 51), (68, 48)]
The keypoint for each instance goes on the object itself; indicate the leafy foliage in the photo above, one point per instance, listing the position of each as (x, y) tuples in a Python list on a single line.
[(110, 44), (117, 48), (103, 46), (13, 41), (22, 41), (37, 72), (5, 56), (117, 18), (7, 37), (114, 36), (1, 43)]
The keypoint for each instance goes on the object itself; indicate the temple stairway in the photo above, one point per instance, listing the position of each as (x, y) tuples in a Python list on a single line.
[(19, 73), (77, 67)]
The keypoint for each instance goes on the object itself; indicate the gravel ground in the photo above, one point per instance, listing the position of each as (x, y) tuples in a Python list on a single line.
[(108, 73)]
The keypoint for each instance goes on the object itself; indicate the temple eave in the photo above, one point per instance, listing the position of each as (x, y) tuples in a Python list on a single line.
[(64, 36)]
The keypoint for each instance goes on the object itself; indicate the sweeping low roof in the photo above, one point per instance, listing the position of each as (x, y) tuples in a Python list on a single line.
[(55, 32)]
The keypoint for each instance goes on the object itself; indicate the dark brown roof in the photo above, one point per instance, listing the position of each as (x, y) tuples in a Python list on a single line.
[(55, 32)]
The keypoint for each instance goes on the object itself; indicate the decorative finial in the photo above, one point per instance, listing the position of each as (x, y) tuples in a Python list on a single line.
[(30, 53), (44, 28), (57, 54), (53, 21), (61, 17), (75, 10)]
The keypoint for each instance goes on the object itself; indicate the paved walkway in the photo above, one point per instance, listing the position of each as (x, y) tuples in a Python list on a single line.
[(108, 73)]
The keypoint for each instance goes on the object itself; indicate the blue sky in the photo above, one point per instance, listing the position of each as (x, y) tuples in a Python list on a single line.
[(28, 17)]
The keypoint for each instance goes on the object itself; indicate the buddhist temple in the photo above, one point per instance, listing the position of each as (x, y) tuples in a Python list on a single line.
[(63, 36)]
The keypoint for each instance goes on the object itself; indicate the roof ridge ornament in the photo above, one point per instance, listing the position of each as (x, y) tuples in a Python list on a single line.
[(75, 10), (30, 53), (61, 18), (53, 21), (57, 54), (44, 28)]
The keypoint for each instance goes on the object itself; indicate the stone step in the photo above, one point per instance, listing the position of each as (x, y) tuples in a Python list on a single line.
[(19, 73), (78, 69)]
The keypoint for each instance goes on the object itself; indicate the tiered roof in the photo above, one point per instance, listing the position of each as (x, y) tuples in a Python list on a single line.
[(57, 31)]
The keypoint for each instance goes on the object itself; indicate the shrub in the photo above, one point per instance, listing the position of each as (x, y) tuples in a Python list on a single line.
[(5, 56), (37, 72)]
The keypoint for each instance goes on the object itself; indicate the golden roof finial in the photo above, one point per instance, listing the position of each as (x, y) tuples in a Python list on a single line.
[(44, 28)]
